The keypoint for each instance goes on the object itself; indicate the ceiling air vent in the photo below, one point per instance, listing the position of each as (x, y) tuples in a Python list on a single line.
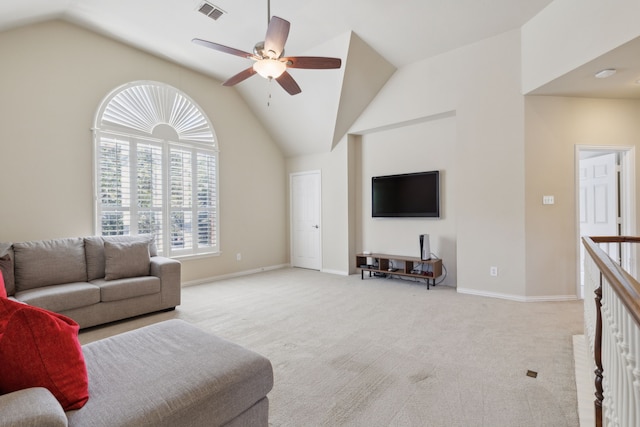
[(212, 11)]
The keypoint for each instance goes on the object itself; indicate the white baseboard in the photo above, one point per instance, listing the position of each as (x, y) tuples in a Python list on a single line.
[(518, 298), (552, 298), (232, 275)]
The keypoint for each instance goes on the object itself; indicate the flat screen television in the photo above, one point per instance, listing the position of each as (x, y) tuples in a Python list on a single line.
[(406, 195)]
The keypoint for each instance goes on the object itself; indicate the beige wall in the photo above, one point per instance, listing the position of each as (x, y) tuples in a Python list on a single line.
[(54, 76), (474, 94), (419, 147), (554, 127), (334, 216), (507, 151)]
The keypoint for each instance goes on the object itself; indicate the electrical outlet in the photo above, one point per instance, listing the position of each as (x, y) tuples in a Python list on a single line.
[(238, 256), (493, 271)]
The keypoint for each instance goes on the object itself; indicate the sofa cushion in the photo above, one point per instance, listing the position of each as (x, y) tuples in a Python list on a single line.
[(190, 377), (39, 348), (49, 262), (61, 297), (94, 256), (94, 251), (6, 267), (125, 259), (119, 289)]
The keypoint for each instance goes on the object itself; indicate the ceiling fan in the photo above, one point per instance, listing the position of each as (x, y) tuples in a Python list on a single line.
[(269, 60)]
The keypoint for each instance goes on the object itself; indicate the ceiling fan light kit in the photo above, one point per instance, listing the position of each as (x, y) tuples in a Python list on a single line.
[(270, 68), (269, 61)]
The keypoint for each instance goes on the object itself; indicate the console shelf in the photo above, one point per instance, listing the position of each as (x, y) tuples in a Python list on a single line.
[(399, 265)]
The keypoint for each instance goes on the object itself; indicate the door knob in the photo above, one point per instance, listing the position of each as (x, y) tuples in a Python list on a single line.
[(316, 226)]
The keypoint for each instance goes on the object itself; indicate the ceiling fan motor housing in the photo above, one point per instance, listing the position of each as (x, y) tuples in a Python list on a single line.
[(258, 49)]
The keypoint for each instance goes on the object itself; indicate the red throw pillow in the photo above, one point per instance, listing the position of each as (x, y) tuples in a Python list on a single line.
[(39, 348), (3, 290)]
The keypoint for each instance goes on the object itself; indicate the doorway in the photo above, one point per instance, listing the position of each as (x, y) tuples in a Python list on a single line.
[(605, 200), (305, 195)]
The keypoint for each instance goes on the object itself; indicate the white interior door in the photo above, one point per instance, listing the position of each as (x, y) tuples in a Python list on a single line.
[(305, 191), (599, 202)]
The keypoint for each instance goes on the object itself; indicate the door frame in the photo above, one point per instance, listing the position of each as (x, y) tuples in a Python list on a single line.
[(291, 227), (627, 192)]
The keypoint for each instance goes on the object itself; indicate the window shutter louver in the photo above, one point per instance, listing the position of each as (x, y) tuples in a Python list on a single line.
[(157, 184)]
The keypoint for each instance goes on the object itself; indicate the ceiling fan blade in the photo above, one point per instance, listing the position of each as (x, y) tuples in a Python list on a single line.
[(241, 76), (312, 62), (221, 48), (276, 37), (286, 81)]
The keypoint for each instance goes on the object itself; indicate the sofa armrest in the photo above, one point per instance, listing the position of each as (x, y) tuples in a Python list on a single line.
[(30, 408), (168, 270)]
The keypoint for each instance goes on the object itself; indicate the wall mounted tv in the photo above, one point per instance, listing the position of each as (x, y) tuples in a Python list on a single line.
[(406, 195)]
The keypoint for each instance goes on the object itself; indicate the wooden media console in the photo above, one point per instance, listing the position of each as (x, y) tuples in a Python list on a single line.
[(398, 265)]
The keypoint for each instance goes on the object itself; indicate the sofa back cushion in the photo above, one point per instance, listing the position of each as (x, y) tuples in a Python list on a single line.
[(94, 251), (49, 262)]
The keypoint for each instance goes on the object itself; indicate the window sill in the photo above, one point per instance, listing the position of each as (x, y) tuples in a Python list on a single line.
[(196, 256)]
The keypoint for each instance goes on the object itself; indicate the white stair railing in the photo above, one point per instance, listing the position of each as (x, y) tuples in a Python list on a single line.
[(612, 326)]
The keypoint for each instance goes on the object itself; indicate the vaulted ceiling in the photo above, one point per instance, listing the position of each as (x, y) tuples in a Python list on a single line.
[(372, 37)]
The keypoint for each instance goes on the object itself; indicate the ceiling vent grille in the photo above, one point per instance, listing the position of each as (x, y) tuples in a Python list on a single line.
[(210, 10)]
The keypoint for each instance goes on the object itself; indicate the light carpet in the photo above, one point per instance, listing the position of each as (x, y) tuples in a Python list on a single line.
[(380, 352)]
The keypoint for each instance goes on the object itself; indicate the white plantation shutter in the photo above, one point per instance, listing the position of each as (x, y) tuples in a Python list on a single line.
[(153, 179)]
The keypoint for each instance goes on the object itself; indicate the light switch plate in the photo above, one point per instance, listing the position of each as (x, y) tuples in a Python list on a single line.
[(548, 200)]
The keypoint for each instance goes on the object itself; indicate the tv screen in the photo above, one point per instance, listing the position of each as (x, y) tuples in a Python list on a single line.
[(406, 195)]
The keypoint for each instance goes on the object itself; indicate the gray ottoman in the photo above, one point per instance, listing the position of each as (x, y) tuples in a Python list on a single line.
[(173, 374)]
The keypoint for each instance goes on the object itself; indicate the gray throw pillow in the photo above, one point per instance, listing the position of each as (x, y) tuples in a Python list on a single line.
[(126, 259)]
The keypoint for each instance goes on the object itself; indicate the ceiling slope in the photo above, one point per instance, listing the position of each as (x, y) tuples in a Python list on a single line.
[(315, 120), (366, 72), (302, 124), (625, 84), (369, 37), (16, 13)]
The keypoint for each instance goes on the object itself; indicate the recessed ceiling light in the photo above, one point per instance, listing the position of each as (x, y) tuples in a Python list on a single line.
[(603, 74)]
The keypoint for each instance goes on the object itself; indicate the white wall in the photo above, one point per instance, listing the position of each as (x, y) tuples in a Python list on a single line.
[(52, 79)]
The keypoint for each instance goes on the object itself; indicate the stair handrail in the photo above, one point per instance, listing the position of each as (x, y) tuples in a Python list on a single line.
[(624, 285), (627, 289)]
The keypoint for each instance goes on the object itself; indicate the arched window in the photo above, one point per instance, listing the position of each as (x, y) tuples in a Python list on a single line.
[(156, 169)]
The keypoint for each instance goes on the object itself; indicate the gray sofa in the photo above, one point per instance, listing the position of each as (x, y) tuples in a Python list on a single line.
[(92, 280), (167, 374)]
